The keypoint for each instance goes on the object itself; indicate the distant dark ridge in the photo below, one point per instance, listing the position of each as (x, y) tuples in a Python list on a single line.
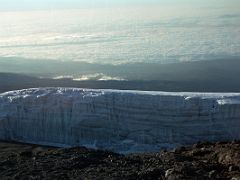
[(22, 82), (227, 68), (198, 76)]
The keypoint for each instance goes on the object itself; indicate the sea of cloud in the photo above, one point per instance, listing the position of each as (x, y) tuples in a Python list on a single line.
[(116, 35)]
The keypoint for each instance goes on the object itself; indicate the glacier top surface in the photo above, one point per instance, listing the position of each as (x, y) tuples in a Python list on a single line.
[(222, 98)]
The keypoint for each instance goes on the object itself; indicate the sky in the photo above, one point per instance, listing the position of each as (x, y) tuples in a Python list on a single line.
[(12, 5)]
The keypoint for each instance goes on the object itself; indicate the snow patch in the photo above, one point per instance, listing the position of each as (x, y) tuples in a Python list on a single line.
[(91, 77)]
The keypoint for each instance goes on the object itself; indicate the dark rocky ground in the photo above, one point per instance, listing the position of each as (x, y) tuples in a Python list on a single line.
[(201, 161)]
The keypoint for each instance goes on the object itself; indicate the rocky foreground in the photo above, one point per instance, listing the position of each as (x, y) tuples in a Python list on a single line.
[(201, 161)]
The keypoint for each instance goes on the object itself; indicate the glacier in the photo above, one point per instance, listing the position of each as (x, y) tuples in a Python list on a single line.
[(117, 120)]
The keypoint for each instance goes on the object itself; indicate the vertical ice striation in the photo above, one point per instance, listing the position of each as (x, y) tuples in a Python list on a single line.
[(121, 121)]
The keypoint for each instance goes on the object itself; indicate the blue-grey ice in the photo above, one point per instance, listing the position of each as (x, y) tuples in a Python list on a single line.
[(120, 121)]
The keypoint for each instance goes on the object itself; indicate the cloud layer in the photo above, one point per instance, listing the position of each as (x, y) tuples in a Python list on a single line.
[(114, 36)]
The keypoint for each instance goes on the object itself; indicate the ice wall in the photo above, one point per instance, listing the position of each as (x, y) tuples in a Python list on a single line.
[(121, 121)]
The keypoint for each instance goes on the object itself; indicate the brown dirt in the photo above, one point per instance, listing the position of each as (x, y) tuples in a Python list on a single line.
[(201, 161)]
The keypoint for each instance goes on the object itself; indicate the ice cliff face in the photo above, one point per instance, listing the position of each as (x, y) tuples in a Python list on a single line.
[(121, 121)]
